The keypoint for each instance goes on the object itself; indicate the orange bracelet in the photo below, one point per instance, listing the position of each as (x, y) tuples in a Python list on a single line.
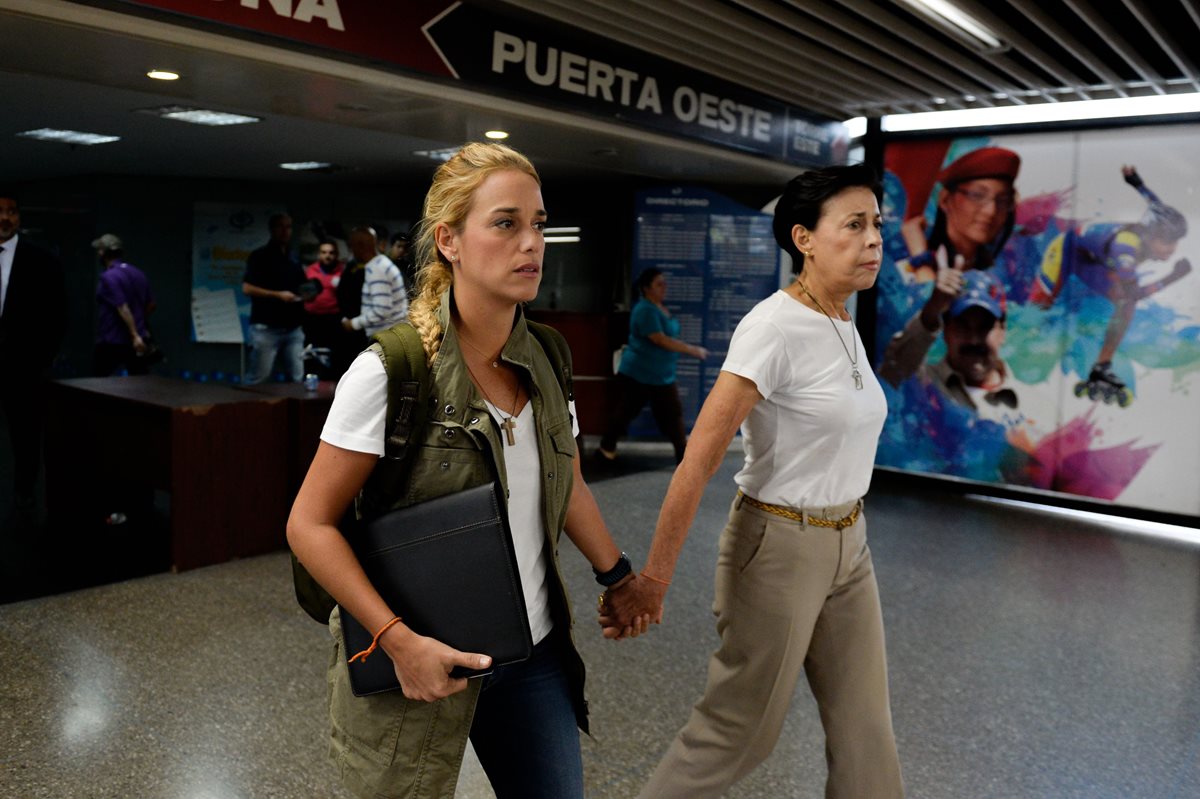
[(654, 579), (375, 641)]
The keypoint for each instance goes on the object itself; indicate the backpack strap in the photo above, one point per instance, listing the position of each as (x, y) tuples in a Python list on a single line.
[(403, 357)]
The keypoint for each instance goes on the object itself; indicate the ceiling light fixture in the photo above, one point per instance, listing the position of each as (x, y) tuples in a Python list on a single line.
[(856, 127), (1045, 112), (304, 166), (554, 230), (956, 22), (443, 154), (162, 74), (561, 239), (68, 136), (200, 116), (497, 135)]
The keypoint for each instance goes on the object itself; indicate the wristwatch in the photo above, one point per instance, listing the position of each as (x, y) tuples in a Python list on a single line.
[(616, 574)]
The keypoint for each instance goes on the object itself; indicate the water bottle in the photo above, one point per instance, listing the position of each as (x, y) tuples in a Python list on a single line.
[(311, 381)]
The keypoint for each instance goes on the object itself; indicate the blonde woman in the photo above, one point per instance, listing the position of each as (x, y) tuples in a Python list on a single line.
[(500, 415)]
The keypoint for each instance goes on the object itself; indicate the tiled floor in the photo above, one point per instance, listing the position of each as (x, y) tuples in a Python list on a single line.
[(1030, 657)]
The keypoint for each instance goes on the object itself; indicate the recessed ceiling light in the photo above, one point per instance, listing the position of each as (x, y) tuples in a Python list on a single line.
[(162, 74), (68, 136), (302, 166), (496, 134), (200, 116), (955, 21)]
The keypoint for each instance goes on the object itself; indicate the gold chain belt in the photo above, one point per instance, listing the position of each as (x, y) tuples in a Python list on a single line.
[(802, 516)]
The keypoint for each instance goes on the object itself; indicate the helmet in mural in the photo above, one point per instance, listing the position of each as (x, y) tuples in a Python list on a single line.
[(1164, 222)]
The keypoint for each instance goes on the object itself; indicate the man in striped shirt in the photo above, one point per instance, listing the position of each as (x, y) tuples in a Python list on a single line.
[(384, 297)]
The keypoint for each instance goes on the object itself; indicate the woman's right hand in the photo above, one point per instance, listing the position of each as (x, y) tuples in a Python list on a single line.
[(945, 291), (423, 664)]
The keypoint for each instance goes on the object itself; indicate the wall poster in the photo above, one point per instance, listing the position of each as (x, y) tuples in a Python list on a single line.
[(720, 259), (1039, 316)]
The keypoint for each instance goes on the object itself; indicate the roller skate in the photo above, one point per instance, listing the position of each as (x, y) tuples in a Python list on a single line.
[(1103, 384)]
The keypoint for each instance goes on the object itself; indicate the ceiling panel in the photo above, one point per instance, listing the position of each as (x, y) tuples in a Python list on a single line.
[(74, 65), (1051, 50)]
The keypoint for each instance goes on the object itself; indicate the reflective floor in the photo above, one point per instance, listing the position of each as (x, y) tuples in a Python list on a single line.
[(1029, 656)]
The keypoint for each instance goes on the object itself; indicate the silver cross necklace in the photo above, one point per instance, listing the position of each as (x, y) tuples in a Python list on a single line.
[(857, 375)]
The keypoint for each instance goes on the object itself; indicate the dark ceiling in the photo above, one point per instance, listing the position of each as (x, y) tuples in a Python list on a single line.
[(848, 58), (82, 66)]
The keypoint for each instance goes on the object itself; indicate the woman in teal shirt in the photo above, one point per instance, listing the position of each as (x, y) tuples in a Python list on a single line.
[(647, 369)]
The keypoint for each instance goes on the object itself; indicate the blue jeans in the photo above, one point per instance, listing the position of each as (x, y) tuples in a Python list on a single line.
[(266, 343), (524, 730)]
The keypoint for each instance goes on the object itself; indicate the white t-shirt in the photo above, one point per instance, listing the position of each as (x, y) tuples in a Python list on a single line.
[(356, 422), (811, 441)]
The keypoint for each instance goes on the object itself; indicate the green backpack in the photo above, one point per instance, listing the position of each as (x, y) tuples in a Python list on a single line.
[(408, 407)]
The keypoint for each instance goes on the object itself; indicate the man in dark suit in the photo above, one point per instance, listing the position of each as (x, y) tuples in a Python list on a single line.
[(32, 323)]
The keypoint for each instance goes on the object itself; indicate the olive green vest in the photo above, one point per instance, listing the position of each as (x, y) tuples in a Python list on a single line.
[(386, 745)]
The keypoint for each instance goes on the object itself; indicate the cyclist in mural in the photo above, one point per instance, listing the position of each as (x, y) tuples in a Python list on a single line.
[(1105, 257)]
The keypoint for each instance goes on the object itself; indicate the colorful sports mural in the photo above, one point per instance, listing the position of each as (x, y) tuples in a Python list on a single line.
[(1038, 314)]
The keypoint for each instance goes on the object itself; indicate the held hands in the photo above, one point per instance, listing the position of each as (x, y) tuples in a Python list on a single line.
[(423, 664), (627, 608)]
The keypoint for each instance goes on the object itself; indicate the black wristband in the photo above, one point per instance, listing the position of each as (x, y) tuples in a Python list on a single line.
[(616, 574)]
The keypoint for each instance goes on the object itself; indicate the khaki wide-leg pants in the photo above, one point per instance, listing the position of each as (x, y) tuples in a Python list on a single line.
[(790, 597)]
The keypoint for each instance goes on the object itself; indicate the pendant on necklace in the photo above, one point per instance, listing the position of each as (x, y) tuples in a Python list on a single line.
[(495, 364), (508, 425), (857, 378)]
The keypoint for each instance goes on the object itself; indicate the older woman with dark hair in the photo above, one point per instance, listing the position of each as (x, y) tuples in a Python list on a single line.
[(795, 586), (647, 369)]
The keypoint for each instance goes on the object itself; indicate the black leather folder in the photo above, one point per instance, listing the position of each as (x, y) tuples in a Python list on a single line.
[(447, 567)]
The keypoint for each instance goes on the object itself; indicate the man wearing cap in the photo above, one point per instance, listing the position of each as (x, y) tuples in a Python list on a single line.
[(272, 282), (33, 317), (125, 302), (975, 213), (972, 374)]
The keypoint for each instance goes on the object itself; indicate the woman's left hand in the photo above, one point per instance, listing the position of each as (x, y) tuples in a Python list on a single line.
[(627, 609)]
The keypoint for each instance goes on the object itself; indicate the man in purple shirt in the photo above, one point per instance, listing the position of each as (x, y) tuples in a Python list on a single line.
[(125, 300)]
